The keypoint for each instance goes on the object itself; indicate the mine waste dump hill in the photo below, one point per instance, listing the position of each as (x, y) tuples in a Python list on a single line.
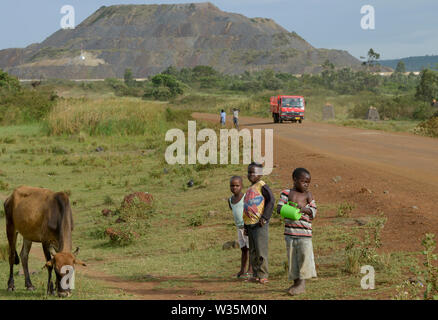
[(150, 38)]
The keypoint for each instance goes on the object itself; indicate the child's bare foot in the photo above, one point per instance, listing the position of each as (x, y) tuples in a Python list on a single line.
[(298, 287), (292, 286)]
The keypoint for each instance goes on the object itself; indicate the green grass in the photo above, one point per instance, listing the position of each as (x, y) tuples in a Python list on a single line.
[(389, 126)]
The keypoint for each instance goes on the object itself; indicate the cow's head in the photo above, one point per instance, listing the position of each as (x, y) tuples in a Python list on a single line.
[(62, 263)]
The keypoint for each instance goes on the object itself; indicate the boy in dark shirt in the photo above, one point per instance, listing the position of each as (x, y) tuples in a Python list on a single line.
[(258, 205)]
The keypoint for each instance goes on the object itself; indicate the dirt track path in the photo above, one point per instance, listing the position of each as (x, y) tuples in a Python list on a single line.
[(400, 171)]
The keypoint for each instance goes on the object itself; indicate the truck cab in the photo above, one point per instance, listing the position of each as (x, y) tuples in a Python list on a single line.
[(287, 108)]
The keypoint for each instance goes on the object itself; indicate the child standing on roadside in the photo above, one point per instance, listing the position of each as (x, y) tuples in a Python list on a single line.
[(298, 233), (236, 205), (258, 204)]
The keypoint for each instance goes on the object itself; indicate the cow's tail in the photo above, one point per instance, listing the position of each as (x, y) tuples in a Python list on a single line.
[(17, 259)]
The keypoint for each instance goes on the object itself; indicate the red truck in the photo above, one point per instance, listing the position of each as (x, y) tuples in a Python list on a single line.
[(288, 108)]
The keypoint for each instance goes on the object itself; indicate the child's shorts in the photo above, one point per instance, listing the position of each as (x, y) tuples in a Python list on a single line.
[(241, 238), (300, 258)]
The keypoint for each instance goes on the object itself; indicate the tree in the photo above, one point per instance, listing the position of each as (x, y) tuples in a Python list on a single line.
[(204, 71), (428, 87), (8, 82), (165, 87), (327, 65), (372, 58), (401, 67), (129, 78)]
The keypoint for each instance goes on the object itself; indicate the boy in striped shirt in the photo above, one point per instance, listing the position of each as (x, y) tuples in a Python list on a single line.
[(298, 233)]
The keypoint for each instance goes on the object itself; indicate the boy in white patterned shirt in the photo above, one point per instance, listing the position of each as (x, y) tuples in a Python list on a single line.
[(235, 203)]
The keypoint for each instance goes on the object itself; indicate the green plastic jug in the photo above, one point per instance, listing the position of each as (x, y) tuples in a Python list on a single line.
[(291, 211)]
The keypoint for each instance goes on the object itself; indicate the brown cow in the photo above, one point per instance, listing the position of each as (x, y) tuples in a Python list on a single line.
[(40, 215)]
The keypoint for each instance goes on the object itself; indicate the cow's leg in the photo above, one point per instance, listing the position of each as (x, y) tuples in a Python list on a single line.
[(12, 240), (46, 249), (11, 234), (13, 257), (24, 255)]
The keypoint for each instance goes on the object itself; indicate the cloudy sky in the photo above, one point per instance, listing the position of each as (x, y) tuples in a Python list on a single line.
[(402, 28)]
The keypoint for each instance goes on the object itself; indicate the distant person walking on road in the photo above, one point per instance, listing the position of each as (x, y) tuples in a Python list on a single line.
[(236, 118), (223, 117)]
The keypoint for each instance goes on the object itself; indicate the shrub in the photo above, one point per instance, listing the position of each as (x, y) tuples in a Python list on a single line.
[(25, 105), (121, 235), (9, 83), (125, 91), (428, 128), (408, 290), (345, 209), (395, 108), (426, 277), (114, 83), (108, 200), (195, 220), (359, 252), (423, 111), (430, 271), (164, 87), (136, 210)]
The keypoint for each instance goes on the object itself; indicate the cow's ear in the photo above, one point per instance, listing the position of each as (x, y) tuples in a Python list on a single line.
[(77, 261), (54, 219)]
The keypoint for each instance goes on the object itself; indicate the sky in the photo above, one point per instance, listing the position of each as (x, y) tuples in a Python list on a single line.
[(401, 28)]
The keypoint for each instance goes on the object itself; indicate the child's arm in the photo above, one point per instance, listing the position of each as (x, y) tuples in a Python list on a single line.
[(310, 209), (284, 198), (269, 204)]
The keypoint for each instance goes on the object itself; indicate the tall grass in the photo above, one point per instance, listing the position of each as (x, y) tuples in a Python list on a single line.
[(105, 117)]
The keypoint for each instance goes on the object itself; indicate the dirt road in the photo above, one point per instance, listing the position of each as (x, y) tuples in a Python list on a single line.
[(403, 154)]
